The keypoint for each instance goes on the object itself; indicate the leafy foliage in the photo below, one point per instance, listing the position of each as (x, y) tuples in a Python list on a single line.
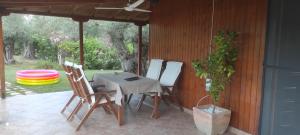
[(39, 37), (45, 64), (44, 49), (97, 56), (219, 66)]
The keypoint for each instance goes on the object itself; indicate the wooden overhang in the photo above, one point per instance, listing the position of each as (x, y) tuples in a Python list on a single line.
[(77, 9)]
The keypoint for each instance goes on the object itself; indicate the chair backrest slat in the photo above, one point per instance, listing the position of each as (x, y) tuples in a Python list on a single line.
[(84, 86), (171, 73), (70, 79), (154, 69), (67, 66)]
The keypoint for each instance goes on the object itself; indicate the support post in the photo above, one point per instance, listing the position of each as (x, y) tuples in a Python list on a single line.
[(2, 66), (139, 54), (81, 20), (81, 43)]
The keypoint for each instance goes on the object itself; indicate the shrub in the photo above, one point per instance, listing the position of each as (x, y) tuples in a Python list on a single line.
[(44, 64), (44, 49), (96, 55)]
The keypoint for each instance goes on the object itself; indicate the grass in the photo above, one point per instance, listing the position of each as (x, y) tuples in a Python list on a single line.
[(62, 85)]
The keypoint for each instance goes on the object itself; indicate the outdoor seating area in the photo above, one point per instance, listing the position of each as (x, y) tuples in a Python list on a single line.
[(110, 90), (149, 67)]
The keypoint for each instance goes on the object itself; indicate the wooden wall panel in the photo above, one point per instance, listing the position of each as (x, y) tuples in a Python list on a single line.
[(180, 30)]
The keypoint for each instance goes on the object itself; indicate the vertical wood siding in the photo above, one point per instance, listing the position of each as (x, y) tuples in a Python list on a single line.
[(180, 30)]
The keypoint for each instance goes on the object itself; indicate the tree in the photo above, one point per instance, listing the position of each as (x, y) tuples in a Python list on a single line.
[(53, 29), (116, 31), (14, 29), (38, 37)]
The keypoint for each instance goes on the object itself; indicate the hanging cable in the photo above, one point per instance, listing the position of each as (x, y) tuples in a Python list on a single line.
[(212, 26)]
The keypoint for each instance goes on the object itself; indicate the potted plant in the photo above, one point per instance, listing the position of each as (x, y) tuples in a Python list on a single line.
[(217, 70)]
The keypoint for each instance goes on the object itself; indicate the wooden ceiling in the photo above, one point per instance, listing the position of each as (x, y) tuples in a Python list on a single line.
[(77, 9)]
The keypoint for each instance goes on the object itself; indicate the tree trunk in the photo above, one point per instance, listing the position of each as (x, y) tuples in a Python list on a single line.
[(128, 64), (9, 52), (128, 61), (29, 51)]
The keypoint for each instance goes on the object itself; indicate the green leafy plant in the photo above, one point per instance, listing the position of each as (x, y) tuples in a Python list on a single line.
[(46, 64), (219, 65), (96, 54)]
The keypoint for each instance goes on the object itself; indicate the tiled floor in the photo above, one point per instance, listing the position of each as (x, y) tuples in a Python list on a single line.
[(39, 114)]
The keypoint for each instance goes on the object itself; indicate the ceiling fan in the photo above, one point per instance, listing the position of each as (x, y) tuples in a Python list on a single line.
[(130, 7)]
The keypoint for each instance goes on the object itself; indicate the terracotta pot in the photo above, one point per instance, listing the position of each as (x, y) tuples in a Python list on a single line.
[(211, 123)]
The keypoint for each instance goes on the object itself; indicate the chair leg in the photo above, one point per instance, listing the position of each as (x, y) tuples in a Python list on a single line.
[(120, 115), (88, 114), (165, 100), (68, 103), (106, 109), (110, 105), (130, 96), (177, 101), (141, 102), (155, 112), (125, 98), (75, 111)]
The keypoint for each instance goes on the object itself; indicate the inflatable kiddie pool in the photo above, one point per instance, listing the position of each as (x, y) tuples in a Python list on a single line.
[(37, 77)]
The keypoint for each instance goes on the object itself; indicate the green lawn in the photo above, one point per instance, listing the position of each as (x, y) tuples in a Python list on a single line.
[(63, 85)]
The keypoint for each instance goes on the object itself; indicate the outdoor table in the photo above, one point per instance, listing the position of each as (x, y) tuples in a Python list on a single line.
[(118, 81)]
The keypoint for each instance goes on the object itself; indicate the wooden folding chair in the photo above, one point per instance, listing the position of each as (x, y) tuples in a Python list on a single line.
[(168, 81), (67, 66), (102, 97)]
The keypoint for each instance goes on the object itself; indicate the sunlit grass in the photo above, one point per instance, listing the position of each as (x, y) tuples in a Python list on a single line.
[(62, 85)]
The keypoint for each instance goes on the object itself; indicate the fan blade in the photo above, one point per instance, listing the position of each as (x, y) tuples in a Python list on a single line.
[(136, 4), (142, 10), (107, 8)]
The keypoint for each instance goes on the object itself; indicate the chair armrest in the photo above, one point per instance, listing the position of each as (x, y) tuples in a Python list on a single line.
[(165, 86), (98, 86), (105, 91), (102, 92)]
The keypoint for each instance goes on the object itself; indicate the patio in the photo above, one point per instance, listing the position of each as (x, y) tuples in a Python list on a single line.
[(180, 30), (30, 115)]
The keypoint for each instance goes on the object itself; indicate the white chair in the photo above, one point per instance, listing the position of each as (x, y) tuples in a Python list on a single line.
[(154, 69), (153, 72), (168, 81)]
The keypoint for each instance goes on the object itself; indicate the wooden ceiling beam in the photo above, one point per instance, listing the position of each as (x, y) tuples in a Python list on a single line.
[(3, 12), (8, 5), (80, 19), (55, 1), (72, 16), (117, 13), (145, 5)]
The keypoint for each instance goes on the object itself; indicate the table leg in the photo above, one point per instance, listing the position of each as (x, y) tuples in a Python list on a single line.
[(120, 115), (155, 112), (125, 98)]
